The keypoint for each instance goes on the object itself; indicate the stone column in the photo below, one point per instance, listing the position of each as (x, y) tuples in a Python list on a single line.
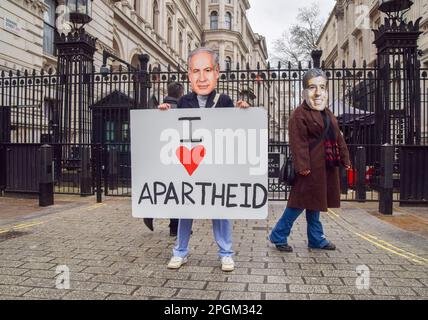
[(367, 44), (235, 56), (340, 34), (145, 10), (221, 14), (222, 57), (174, 39), (162, 19)]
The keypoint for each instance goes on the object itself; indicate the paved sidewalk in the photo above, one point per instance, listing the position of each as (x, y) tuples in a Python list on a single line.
[(111, 255)]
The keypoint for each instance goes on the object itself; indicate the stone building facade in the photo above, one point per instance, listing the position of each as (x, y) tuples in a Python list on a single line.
[(165, 29), (347, 34)]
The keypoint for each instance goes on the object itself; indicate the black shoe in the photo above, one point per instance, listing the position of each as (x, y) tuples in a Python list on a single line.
[(149, 223), (329, 246), (284, 248)]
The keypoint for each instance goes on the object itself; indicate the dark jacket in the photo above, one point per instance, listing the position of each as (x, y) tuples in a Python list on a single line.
[(191, 101), (321, 188), (173, 102)]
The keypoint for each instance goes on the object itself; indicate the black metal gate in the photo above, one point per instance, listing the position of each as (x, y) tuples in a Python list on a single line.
[(111, 117)]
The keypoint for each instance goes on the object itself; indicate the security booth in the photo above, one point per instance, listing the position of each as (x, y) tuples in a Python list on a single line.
[(110, 123)]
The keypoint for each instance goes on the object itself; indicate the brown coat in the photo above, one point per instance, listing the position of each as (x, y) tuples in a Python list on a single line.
[(321, 188)]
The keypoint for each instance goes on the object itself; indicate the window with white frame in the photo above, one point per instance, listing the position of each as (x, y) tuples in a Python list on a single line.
[(49, 28), (228, 21), (214, 20)]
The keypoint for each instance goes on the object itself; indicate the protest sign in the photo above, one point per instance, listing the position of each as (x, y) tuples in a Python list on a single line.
[(199, 163)]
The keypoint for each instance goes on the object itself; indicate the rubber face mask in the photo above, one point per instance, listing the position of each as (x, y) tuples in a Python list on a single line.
[(315, 94), (203, 73)]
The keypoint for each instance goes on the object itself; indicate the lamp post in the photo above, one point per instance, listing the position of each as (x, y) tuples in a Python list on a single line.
[(80, 11), (397, 59), (75, 88), (395, 9)]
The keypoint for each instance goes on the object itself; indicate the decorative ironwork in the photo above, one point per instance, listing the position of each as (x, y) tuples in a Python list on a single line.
[(398, 97)]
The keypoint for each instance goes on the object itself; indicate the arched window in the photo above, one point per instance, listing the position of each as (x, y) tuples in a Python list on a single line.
[(228, 21), (228, 62), (115, 65), (135, 62), (116, 48), (214, 20), (169, 35), (155, 16)]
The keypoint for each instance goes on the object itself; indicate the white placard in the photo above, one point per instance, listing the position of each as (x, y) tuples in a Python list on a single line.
[(221, 174)]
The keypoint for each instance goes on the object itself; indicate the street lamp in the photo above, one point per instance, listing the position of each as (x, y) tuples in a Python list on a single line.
[(392, 8), (80, 11)]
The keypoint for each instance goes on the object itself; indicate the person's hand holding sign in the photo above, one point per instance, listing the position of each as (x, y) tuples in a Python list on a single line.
[(242, 104), (164, 106)]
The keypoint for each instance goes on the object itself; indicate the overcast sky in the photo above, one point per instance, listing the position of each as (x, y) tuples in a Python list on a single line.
[(271, 17)]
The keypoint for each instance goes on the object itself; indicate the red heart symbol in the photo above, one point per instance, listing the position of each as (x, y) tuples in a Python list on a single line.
[(190, 159)]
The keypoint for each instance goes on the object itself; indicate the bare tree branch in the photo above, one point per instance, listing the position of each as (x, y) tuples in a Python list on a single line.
[(297, 44)]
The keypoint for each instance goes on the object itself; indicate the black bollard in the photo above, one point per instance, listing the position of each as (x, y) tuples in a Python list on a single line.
[(98, 151), (3, 171), (360, 184), (46, 185), (85, 171), (113, 168), (343, 180), (386, 181)]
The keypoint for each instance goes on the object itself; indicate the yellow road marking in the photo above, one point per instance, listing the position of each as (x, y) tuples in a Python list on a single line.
[(334, 213), (381, 243), (95, 206), (394, 247), (385, 243), (20, 226), (390, 250), (329, 214)]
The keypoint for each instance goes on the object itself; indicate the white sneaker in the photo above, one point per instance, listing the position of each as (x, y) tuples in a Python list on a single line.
[(176, 262), (227, 264)]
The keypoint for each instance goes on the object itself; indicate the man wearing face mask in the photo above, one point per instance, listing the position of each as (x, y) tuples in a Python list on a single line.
[(318, 148), (203, 73)]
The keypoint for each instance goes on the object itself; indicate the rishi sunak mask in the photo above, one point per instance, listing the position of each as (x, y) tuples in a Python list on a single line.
[(315, 94)]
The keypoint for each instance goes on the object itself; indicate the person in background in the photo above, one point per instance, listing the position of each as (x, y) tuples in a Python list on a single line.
[(175, 92)]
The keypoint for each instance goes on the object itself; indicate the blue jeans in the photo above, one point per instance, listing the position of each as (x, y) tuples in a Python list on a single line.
[(222, 230), (280, 233)]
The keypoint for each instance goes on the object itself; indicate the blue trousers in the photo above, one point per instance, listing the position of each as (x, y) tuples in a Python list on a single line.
[(280, 233), (222, 230)]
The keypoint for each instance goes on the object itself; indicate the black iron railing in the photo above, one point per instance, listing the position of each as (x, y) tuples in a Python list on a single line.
[(38, 108)]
